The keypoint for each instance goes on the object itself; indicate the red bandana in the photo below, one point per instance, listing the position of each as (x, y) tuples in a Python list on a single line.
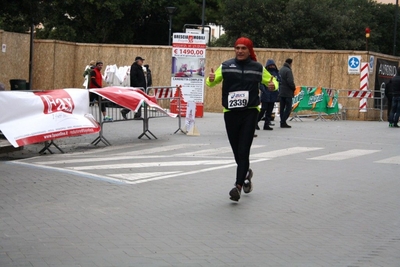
[(249, 44)]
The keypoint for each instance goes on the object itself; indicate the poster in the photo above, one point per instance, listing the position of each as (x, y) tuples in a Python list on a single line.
[(316, 99), (188, 65)]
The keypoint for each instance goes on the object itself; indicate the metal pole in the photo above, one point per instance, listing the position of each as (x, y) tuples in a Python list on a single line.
[(395, 27), (202, 16), (170, 29), (31, 56)]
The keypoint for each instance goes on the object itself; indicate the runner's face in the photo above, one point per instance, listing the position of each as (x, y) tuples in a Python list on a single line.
[(242, 52), (99, 66)]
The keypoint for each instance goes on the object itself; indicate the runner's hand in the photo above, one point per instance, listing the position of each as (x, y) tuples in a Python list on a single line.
[(211, 76)]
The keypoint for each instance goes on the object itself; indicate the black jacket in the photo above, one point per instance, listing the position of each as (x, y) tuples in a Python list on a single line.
[(267, 95), (393, 87), (137, 76), (243, 75), (287, 86)]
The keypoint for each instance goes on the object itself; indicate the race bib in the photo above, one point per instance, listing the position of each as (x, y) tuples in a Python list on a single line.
[(238, 99)]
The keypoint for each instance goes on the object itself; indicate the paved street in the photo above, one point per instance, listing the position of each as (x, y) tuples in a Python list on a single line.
[(326, 193)]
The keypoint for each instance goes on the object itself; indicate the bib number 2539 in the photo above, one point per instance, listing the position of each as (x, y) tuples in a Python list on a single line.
[(238, 99)]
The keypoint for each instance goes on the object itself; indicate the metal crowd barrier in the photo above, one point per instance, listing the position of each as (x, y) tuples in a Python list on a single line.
[(350, 99), (113, 110), (164, 95)]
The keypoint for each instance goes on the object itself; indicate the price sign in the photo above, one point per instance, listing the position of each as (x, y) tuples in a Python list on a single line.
[(188, 52)]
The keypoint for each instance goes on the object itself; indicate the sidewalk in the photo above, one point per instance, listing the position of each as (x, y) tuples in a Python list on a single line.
[(325, 194)]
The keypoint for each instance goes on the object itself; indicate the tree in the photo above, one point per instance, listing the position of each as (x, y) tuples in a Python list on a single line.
[(18, 16), (119, 21), (258, 20)]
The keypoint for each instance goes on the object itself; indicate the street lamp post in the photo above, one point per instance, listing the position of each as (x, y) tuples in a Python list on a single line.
[(171, 10), (395, 26), (202, 16), (367, 35)]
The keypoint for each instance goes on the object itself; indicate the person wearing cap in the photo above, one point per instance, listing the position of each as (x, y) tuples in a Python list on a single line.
[(241, 77), (137, 79), (286, 92), (96, 81)]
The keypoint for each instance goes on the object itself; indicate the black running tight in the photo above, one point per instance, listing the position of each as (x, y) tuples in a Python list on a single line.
[(240, 127)]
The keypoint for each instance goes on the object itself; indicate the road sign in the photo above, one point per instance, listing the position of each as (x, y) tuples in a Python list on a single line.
[(353, 64)]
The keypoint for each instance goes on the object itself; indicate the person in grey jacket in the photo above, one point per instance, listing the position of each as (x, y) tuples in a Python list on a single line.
[(286, 92)]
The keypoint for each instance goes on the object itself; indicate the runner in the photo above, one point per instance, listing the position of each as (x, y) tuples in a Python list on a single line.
[(241, 77)]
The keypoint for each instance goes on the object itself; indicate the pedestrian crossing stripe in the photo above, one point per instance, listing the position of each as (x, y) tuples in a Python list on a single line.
[(141, 176), (188, 173), (101, 159), (159, 149), (348, 154), (284, 152), (152, 164), (215, 151), (392, 160)]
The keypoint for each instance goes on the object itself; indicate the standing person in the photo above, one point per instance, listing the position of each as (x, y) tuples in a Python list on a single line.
[(268, 98), (388, 94), (86, 74), (286, 92), (149, 79), (138, 79), (96, 81), (395, 90), (241, 77)]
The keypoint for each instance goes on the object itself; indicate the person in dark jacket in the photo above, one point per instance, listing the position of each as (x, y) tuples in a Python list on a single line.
[(241, 77), (395, 90), (267, 97), (388, 94), (286, 92), (138, 79)]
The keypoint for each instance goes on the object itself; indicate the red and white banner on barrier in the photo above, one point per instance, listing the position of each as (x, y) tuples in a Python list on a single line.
[(33, 117), (162, 93), (29, 117), (129, 97), (358, 93), (363, 85)]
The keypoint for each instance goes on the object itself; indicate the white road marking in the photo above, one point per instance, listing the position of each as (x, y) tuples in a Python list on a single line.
[(152, 164), (352, 153), (159, 149), (284, 152), (214, 151), (190, 172), (392, 160), (108, 159), (141, 176), (77, 173)]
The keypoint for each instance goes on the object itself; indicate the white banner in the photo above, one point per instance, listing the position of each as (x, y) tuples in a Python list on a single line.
[(39, 116)]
